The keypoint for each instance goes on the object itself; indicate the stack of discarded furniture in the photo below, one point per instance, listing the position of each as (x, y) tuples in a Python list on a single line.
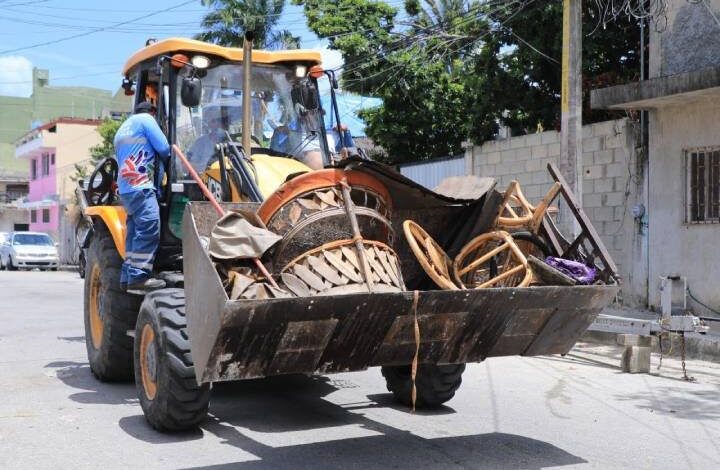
[(523, 248), (330, 232)]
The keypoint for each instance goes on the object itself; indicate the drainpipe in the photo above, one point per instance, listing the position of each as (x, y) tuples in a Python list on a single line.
[(644, 145)]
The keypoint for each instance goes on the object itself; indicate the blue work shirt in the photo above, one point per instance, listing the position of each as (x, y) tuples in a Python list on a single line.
[(136, 142)]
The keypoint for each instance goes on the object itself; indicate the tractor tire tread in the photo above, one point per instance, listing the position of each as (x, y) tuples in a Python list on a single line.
[(180, 404), (435, 384), (114, 360)]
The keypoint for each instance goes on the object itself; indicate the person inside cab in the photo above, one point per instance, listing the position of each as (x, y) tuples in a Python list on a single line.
[(203, 149)]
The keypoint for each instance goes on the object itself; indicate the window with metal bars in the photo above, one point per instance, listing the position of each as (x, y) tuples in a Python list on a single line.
[(703, 185)]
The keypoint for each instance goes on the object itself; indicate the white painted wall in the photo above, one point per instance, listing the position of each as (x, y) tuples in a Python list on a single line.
[(691, 250)]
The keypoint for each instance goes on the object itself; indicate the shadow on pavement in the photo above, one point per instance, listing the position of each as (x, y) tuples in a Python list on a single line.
[(679, 402), (137, 427), (404, 450), (245, 413), (77, 375)]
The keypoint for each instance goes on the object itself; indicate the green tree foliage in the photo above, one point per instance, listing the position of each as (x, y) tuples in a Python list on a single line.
[(107, 130), (228, 21), (451, 70)]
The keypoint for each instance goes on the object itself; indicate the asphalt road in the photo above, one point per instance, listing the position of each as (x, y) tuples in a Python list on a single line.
[(573, 412)]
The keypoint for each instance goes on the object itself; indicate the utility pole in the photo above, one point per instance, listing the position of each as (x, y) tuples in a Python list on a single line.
[(571, 161)]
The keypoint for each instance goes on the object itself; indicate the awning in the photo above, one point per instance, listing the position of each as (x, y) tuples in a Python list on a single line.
[(683, 88)]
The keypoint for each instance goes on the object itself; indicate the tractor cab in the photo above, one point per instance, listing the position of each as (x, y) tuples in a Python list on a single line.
[(198, 90)]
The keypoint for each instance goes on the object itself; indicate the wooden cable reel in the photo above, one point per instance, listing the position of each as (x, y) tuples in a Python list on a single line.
[(516, 212), (492, 259), (335, 269), (310, 211)]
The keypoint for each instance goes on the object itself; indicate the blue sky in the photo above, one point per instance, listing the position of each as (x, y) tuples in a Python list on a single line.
[(96, 56), (38, 33)]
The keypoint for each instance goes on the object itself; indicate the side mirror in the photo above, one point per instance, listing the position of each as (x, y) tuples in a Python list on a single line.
[(305, 94), (191, 91)]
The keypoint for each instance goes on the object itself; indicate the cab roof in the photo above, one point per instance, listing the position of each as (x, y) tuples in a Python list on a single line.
[(182, 45)]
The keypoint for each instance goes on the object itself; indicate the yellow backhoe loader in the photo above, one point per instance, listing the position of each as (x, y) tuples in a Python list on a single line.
[(374, 270)]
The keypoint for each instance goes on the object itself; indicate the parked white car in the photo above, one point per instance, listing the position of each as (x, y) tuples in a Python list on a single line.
[(29, 250)]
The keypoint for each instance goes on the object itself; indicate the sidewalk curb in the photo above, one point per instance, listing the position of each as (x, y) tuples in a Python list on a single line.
[(702, 347)]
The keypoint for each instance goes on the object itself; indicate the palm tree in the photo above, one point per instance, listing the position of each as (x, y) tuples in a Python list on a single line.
[(228, 21)]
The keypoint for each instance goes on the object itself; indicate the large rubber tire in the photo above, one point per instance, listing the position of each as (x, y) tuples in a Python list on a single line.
[(10, 265), (434, 384), (110, 312), (165, 381)]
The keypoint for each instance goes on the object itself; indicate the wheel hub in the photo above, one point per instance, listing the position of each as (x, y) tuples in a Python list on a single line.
[(148, 361), (95, 306)]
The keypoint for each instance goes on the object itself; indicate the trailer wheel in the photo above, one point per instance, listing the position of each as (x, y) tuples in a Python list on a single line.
[(434, 384), (164, 372), (109, 311)]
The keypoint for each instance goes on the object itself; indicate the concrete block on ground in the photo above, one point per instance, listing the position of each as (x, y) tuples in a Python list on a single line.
[(636, 359), (635, 340)]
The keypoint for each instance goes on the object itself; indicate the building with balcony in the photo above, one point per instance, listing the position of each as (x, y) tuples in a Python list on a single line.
[(48, 102), (677, 173), (51, 152)]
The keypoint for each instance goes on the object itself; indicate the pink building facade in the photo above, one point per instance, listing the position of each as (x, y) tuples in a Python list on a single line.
[(52, 151)]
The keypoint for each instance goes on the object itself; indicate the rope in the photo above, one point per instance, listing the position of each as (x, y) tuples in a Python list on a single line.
[(414, 366)]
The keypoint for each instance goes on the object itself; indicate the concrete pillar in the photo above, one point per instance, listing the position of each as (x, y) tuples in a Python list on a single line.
[(570, 162)]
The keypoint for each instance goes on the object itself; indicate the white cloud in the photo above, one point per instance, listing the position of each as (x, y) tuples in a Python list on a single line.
[(331, 59), (15, 76)]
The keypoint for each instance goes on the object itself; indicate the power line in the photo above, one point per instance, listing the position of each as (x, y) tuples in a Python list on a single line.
[(96, 30)]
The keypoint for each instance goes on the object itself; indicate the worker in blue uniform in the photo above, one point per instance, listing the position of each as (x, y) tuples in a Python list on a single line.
[(137, 143)]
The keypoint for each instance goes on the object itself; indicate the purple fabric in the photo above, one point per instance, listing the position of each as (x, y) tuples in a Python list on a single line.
[(578, 271)]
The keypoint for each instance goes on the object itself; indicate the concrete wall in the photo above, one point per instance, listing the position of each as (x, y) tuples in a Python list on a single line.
[(609, 192)]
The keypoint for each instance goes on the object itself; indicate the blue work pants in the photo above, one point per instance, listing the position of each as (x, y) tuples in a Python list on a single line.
[(143, 234)]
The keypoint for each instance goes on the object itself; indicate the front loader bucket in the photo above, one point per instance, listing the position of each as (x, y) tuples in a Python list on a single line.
[(244, 339)]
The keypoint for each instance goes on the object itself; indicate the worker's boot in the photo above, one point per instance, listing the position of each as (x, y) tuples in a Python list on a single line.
[(145, 286)]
